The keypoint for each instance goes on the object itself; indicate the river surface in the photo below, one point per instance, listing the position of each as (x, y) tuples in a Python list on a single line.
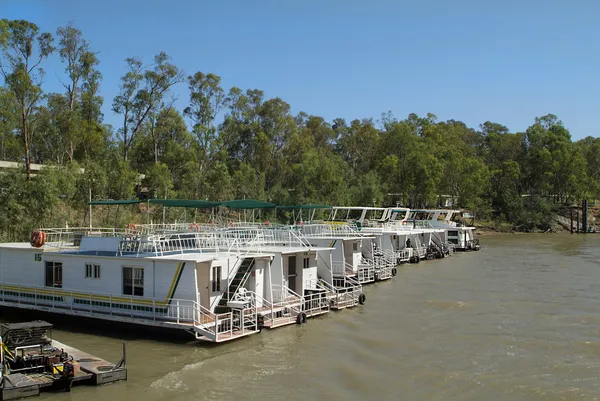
[(519, 320)]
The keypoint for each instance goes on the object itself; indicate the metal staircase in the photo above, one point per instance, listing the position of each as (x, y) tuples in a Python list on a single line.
[(240, 278), (441, 248), (348, 292)]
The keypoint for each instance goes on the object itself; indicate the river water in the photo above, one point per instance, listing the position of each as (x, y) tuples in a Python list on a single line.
[(519, 320)]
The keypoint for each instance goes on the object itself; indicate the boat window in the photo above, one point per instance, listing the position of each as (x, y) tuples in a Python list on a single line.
[(374, 214), (453, 233), (133, 281), (216, 279), (306, 263), (354, 214), (355, 246), (54, 274), (92, 271)]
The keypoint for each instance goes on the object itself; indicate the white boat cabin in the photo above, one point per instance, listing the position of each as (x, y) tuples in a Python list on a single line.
[(460, 236)]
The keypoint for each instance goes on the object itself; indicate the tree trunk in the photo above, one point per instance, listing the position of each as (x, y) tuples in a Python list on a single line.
[(124, 143), (71, 108), (26, 143), (154, 139)]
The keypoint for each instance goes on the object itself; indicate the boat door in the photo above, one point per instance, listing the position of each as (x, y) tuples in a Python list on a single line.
[(203, 283)]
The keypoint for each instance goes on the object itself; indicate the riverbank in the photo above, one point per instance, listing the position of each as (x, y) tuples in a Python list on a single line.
[(558, 224)]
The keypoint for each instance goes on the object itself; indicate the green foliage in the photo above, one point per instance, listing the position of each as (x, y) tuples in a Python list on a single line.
[(240, 144)]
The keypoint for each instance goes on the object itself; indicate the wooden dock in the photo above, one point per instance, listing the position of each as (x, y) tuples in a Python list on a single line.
[(91, 370)]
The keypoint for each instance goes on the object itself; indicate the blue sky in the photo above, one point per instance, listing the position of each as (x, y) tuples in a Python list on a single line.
[(504, 61)]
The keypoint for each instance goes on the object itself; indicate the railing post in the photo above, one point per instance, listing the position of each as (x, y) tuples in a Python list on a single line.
[(177, 311), (131, 307), (91, 308), (216, 327), (153, 309), (111, 305)]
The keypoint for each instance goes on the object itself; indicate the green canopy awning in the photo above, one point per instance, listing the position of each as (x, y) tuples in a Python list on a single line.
[(247, 204), (307, 206), (115, 202), (198, 204)]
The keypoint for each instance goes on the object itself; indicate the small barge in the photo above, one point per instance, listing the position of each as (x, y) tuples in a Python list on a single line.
[(31, 362)]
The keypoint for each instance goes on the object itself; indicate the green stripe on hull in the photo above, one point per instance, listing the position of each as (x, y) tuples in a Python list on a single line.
[(179, 273)]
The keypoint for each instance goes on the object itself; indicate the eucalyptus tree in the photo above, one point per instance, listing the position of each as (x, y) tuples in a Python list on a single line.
[(22, 50), (142, 90), (81, 67)]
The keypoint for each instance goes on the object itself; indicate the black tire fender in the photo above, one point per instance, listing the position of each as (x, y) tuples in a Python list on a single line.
[(301, 318)]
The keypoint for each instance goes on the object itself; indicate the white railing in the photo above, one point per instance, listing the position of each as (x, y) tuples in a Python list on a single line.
[(279, 313), (71, 237), (327, 296), (366, 271), (403, 255), (185, 313), (315, 303), (329, 230), (182, 227), (281, 294), (176, 310), (347, 292), (181, 238), (343, 268), (420, 251)]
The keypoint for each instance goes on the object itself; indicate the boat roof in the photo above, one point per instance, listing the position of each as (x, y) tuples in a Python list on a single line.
[(270, 249), (306, 206), (204, 257), (23, 245), (341, 236), (247, 204)]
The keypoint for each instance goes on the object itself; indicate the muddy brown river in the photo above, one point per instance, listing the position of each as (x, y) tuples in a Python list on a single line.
[(519, 320)]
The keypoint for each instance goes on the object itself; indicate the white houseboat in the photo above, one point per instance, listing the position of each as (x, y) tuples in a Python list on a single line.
[(209, 283), (460, 236)]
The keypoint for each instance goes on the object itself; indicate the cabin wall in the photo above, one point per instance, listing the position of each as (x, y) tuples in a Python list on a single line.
[(387, 242), (470, 234), (269, 279), (20, 266), (276, 270), (324, 266), (337, 254), (356, 253), (367, 247), (401, 239), (111, 274), (163, 279), (175, 279), (226, 266)]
